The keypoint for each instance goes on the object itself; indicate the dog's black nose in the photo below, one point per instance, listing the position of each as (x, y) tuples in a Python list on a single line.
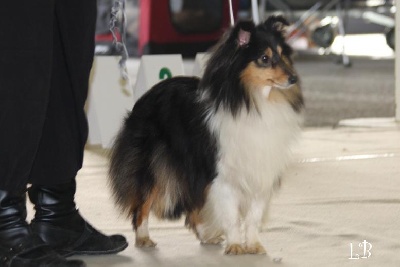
[(292, 79)]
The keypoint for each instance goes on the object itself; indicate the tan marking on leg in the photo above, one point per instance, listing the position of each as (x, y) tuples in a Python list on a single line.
[(192, 220), (144, 211), (197, 221), (141, 223)]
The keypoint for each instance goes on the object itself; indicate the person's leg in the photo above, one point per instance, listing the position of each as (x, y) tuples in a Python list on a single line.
[(60, 153), (25, 67)]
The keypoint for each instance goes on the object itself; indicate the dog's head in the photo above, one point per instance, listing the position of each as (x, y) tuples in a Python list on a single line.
[(249, 59), (269, 57)]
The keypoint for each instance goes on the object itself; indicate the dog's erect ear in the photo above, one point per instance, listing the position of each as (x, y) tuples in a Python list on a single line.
[(242, 32), (276, 24), (243, 37)]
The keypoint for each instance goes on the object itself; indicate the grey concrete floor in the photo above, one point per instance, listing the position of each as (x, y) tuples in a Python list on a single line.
[(333, 92)]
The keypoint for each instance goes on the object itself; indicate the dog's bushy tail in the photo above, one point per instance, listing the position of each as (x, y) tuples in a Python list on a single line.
[(123, 171)]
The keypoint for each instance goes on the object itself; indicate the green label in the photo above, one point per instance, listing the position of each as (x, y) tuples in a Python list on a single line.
[(165, 73)]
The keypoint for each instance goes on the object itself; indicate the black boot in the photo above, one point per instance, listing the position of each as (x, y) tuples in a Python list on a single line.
[(58, 222), (19, 247)]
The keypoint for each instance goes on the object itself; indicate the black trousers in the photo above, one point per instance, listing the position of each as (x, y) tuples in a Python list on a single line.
[(46, 53)]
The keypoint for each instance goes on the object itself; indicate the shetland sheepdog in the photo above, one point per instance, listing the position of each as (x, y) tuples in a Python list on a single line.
[(213, 148)]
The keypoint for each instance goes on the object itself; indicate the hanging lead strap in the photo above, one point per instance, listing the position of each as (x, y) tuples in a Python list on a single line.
[(119, 8)]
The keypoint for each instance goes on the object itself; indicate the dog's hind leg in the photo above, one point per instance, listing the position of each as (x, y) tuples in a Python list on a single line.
[(207, 238), (141, 220), (203, 231)]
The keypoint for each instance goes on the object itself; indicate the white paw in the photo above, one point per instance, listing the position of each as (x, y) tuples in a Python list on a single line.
[(145, 242), (256, 248), (235, 249)]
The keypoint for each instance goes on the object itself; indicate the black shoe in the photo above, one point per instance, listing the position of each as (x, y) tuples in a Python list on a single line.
[(19, 247), (58, 222)]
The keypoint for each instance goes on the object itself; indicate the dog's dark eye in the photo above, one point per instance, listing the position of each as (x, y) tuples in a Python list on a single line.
[(265, 59)]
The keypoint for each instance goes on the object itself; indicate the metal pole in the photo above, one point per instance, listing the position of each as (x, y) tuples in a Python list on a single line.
[(263, 5), (345, 58), (231, 13), (254, 10), (397, 64)]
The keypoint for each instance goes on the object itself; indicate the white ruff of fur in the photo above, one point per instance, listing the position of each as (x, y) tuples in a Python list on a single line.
[(254, 149)]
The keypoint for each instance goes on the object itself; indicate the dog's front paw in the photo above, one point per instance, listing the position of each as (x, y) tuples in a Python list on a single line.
[(235, 249), (256, 248), (145, 242)]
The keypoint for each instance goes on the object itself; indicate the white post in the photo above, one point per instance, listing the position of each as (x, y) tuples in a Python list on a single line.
[(397, 63)]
